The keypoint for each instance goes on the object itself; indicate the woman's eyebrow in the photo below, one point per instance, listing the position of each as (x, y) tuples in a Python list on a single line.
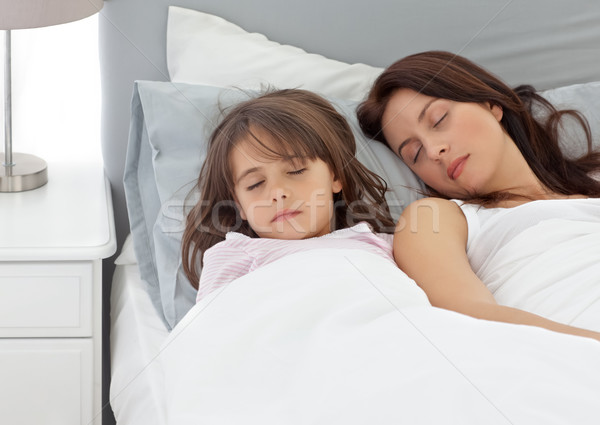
[(404, 143), (424, 110), (419, 119)]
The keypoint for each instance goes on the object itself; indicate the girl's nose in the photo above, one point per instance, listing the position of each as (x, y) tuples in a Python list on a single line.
[(279, 193)]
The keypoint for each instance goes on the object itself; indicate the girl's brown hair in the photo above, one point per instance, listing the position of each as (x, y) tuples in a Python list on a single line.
[(449, 76), (304, 125)]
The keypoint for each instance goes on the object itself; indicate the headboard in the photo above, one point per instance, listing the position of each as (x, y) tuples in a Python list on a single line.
[(547, 44)]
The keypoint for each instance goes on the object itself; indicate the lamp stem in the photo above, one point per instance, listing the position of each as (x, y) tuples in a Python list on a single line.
[(21, 171), (8, 162)]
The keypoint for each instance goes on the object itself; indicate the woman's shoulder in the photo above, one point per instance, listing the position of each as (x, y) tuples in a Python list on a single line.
[(447, 206), (433, 214)]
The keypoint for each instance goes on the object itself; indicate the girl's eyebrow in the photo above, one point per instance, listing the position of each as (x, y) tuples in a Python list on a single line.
[(246, 172), (255, 169)]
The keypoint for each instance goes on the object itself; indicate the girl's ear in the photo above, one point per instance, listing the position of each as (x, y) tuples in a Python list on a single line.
[(240, 209), (497, 112), (242, 213), (336, 185)]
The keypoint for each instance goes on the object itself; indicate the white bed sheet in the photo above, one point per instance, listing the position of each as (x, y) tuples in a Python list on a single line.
[(141, 394), (136, 335), (352, 340)]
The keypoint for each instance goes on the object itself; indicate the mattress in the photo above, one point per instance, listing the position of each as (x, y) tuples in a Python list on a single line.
[(136, 335)]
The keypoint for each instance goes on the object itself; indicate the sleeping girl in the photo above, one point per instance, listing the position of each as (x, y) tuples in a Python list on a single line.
[(281, 177)]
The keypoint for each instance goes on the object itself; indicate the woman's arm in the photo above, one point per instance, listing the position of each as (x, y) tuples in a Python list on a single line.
[(430, 247)]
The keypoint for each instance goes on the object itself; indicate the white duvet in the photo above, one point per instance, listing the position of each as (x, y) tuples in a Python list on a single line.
[(344, 337)]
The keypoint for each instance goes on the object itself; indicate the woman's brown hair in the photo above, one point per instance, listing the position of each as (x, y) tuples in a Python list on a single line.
[(305, 126), (449, 76)]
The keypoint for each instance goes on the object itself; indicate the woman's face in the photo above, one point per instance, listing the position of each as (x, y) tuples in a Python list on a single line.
[(459, 149)]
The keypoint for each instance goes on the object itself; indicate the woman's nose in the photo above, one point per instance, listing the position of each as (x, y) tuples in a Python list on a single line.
[(437, 149)]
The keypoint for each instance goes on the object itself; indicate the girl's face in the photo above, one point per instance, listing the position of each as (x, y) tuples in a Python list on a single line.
[(282, 199), (458, 149)]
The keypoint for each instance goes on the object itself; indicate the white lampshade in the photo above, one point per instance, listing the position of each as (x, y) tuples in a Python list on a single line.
[(19, 171), (20, 14)]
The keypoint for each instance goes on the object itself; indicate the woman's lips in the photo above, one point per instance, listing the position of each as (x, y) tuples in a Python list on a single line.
[(456, 167), (285, 215)]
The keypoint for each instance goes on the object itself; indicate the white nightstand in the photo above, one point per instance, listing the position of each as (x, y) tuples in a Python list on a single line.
[(52, 242)]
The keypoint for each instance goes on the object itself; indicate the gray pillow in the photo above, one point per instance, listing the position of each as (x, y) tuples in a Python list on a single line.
[(170, 126), (586, 99)]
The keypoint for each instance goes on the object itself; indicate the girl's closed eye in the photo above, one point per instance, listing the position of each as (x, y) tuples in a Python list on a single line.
[(297, 172), (255, 185)]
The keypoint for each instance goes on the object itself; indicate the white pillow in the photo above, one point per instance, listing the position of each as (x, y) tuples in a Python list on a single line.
[(206, 49), (127, 255)]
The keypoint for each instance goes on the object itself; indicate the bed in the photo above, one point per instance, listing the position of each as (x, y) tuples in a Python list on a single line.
[(379, 353)]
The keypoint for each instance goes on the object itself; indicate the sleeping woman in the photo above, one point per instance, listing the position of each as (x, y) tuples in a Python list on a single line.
[(511, 230)]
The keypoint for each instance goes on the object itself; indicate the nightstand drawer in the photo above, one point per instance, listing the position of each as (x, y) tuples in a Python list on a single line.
[(46, 381), (46, 299)]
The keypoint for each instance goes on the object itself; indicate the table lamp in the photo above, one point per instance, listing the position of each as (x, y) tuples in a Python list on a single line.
[(20, 171)]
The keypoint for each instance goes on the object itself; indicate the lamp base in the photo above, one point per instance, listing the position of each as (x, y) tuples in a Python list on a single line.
[(28, 172)]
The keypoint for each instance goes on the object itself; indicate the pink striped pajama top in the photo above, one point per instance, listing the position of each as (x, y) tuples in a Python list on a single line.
[(239, 254)]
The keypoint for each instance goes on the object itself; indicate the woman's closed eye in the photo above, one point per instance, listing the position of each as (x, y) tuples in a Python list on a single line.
[(416, 155), (417, 149), (438, 122), (409, 150)]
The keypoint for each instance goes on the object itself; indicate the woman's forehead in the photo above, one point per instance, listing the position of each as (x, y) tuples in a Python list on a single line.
[(406, 100)]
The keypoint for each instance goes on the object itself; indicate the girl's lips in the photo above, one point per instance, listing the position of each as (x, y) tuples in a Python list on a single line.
[(285, 215), (456, 167)]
